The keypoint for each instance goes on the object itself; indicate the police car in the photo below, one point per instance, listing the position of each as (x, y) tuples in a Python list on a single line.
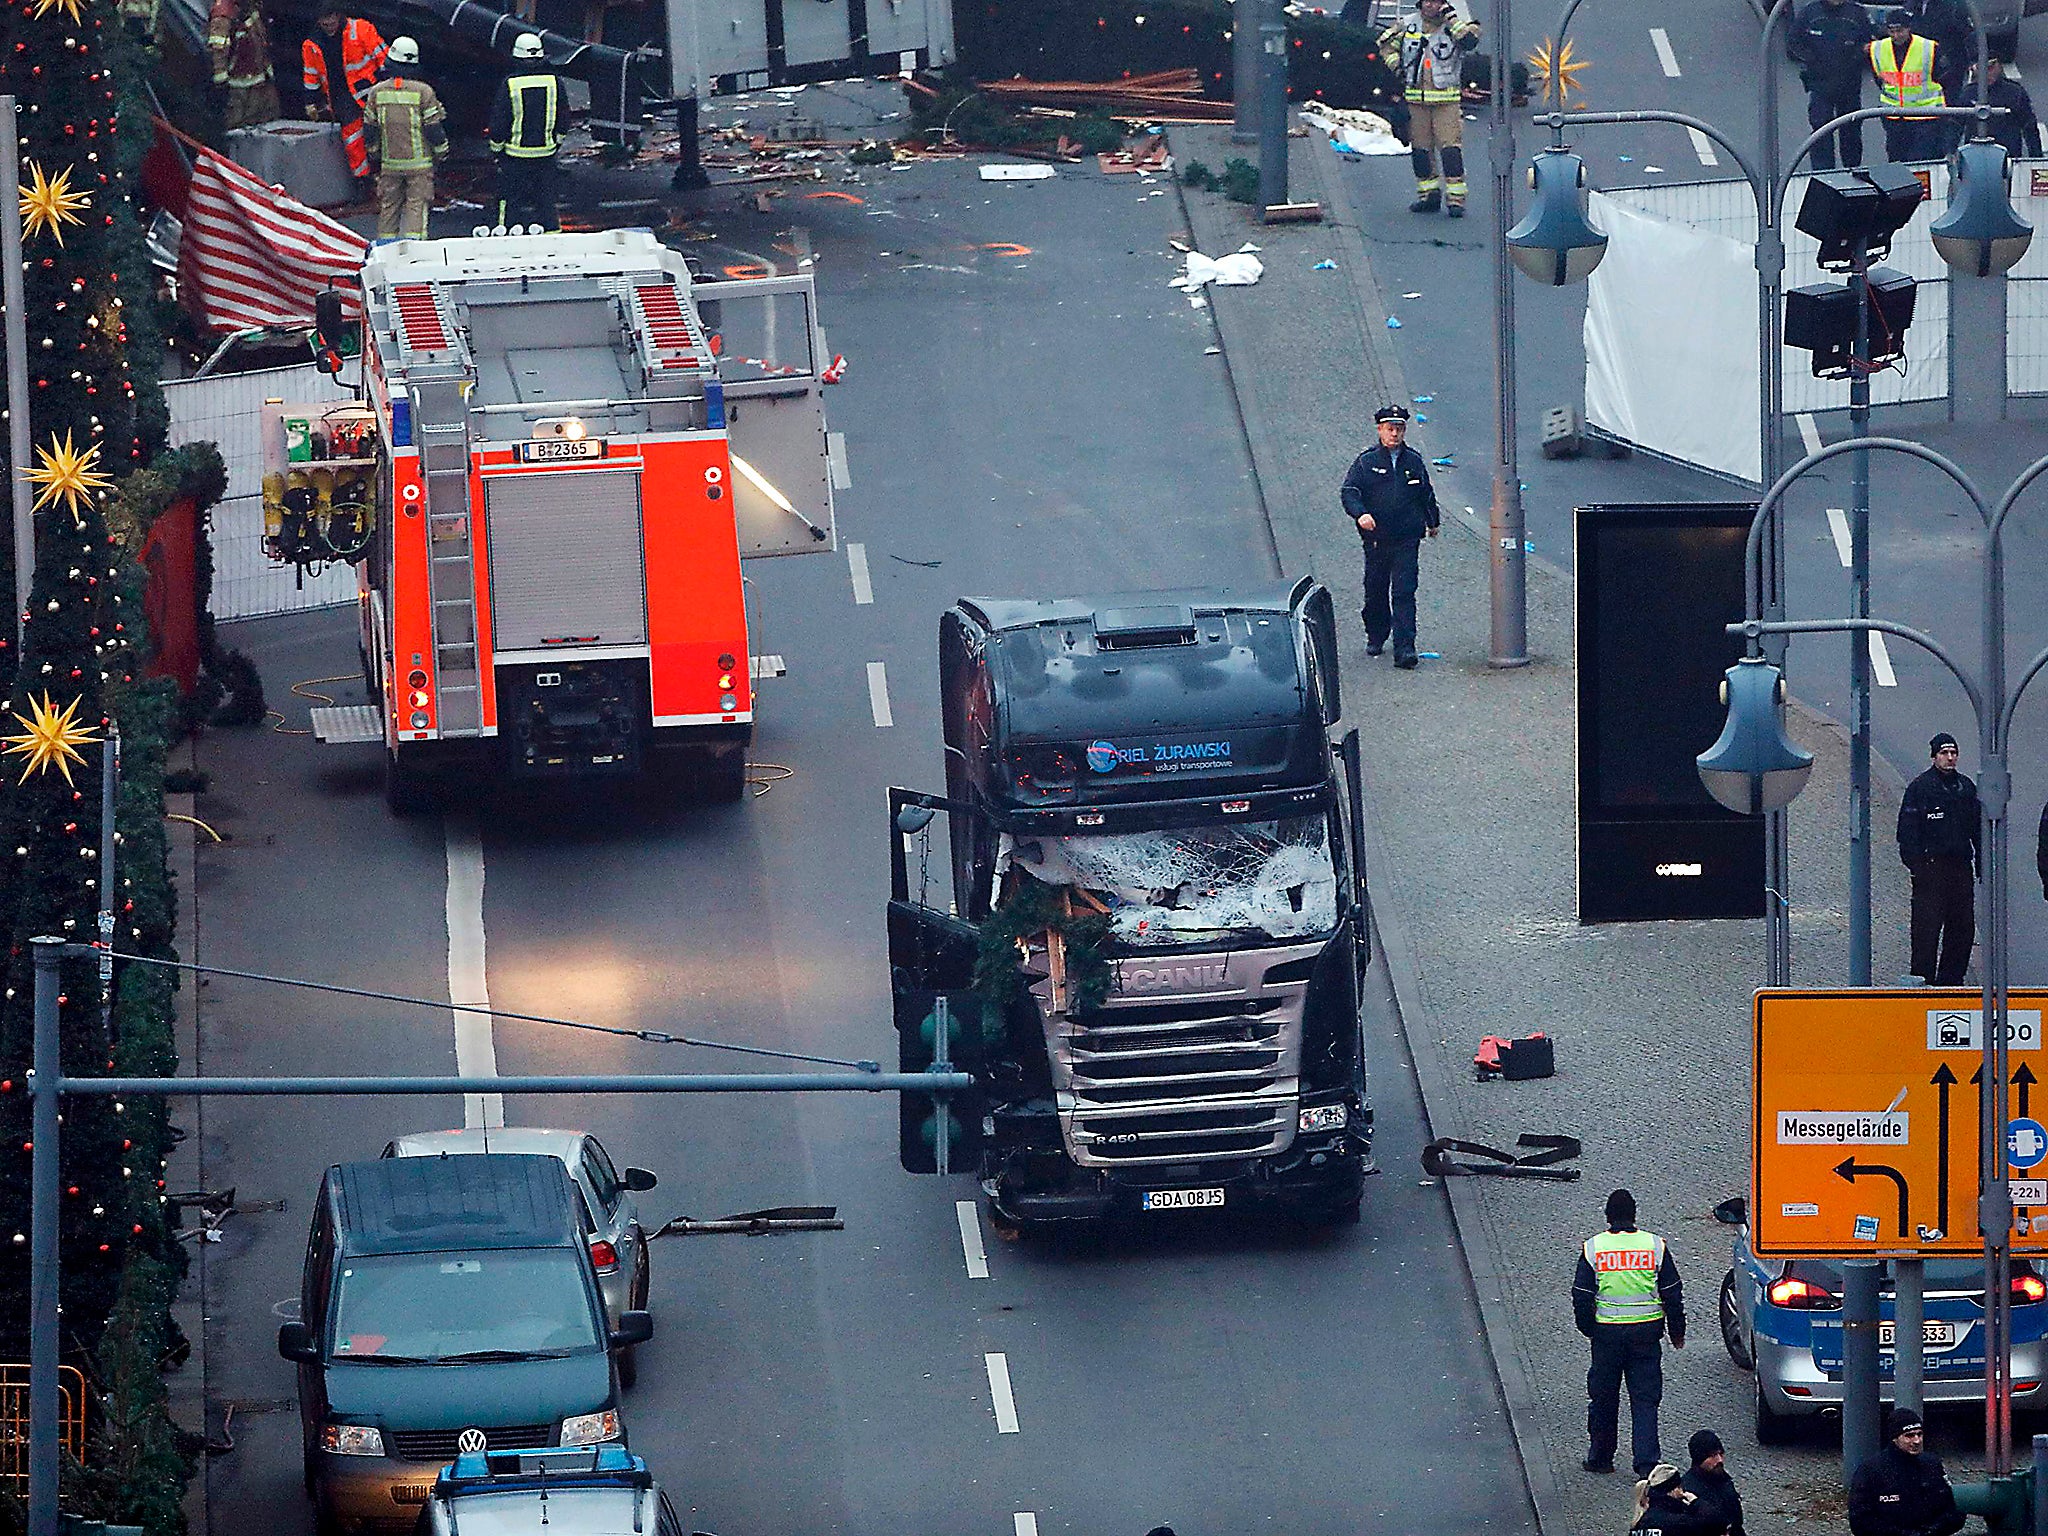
[(1782, 1318), (600, 1490)]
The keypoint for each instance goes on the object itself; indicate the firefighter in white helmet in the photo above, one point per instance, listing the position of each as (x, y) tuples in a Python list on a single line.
[(403, 118), (526, 137), (1427, 51)]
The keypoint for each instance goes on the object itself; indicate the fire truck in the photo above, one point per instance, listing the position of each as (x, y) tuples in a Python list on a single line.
[(563, 447)]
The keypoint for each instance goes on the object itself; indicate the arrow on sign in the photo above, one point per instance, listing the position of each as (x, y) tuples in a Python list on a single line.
[(2024, 1079), (1943, 1080), (1848, 1168)]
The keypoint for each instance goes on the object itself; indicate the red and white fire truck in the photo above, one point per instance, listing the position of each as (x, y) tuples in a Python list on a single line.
[(564, 447)]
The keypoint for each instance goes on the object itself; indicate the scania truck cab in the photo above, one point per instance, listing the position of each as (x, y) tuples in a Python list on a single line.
[(1151, 952)]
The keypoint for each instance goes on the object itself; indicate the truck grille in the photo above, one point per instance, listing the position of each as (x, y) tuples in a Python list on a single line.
[(440, 1444), (1181, 1080)]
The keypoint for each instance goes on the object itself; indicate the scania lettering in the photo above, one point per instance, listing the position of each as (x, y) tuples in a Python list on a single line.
[(564, 448), (1150, 954)]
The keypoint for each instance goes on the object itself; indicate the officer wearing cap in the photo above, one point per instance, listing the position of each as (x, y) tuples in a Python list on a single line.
[(1903, 1491), (1941, 842), (1388, 497), (1625, 1294)]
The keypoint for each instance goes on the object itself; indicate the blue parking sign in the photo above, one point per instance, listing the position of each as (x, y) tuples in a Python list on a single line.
[(2026, 1142)]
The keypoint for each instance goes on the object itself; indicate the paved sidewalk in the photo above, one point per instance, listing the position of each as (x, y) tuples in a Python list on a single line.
[(1471, 850)]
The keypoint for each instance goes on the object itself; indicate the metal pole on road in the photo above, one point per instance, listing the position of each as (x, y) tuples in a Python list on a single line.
[(44, 1460), (1272, 102), (1508, 563), (1859, 647), (1244, 70), (1859, 1364), (16, 302), (1909, 1314)]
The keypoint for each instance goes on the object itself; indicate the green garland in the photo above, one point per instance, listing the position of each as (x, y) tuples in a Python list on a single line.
[(1032, 907)]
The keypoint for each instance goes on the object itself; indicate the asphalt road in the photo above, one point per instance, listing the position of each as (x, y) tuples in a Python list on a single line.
[(1436, 274), (1039, 423)]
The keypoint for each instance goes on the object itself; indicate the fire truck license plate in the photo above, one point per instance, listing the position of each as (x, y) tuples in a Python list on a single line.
[(1935, 1335), (552, 450), (1181, 1199)]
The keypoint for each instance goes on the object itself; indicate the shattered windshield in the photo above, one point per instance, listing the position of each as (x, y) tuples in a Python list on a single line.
[(1259, 879)]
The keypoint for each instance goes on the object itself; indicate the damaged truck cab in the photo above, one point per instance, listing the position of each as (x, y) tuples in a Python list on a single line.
[(1152, 954)]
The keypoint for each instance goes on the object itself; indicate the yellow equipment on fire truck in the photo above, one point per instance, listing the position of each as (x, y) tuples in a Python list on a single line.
[(565, 446)]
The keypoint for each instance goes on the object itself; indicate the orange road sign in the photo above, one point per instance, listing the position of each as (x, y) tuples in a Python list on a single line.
[(1863, 1133)]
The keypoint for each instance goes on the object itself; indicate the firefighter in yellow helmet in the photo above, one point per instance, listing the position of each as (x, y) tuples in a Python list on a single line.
[(526, 137), (403, 119), (1426, 50)]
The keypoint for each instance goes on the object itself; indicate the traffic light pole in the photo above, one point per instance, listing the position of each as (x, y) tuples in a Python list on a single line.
[(48, 1085)]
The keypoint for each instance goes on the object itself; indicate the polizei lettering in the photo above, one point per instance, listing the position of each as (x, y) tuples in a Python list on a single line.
[(1201, 976)]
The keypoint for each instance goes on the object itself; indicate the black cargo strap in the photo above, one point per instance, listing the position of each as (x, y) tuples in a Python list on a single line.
[(1537, 1163)]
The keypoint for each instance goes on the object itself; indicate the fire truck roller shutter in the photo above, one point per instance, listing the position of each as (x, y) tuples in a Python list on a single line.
[(567, 559)]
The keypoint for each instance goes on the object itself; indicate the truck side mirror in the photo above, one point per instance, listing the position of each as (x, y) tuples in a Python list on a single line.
[(1733, 1212), (634, 1328), (295, 1342), (1319, 618)]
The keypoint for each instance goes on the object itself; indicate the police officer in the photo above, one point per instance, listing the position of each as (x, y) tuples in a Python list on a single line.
[(1388, 496), (1941, 841), (2019, 130), (525, 137), (1625, 1294), (1902, 1491), (1828, 41), (1908, 68), (403, 118)]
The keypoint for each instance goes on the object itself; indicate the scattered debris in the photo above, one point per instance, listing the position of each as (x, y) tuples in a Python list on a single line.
[(1393, 322), (1353, 131), (1240, 269), (1169, 95), (1143, 161), (1325, 265), (1017, 173)]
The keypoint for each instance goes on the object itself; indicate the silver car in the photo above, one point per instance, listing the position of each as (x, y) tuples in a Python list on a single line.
[(611, 1219)]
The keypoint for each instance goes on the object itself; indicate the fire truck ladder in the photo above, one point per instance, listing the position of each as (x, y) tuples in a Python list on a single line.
[(442, 424)]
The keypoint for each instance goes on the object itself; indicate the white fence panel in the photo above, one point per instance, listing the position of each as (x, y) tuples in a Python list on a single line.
[(2026, 317), (227, 411)]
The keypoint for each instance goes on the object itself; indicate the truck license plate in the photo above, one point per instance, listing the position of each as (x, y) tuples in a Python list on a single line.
[(1933, 1335), (1181, 1199)]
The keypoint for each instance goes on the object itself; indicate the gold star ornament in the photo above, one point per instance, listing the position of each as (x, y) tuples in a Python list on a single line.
[(62, 473), (48, 204), (71, 8), (1546, 61), (49, 737)]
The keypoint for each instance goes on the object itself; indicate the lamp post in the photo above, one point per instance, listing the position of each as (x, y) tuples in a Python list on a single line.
[(1508, 563), (1753, 747)]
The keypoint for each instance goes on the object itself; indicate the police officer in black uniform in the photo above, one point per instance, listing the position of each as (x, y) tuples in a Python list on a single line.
[(1829, 41), (1902, 1491), (1940, 840), (1388, 496)]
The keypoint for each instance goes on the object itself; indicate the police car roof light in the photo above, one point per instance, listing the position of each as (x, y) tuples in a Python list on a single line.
[(495, 1471)]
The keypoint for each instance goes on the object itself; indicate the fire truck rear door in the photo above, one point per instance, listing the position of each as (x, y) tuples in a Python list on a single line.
[(769, 364)]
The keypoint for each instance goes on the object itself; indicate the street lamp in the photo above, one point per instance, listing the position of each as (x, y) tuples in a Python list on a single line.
[(1754, 767), (1554, 244), (1981, 232)]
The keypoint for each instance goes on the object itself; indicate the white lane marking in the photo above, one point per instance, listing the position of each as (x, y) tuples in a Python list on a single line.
[(1023, 1523), (878, 694), (970, 1239), (1703, 147), (835, 456), (1809, 434), (857, 562), (999, 1391), (469, 989), (1881, 661), (1838, 525), (1661, 41)]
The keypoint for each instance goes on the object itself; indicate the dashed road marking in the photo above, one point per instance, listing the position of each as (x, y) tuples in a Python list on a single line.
[(970, 1239), (1809, 434), (857, 563), (1023, 1523), (1703, 147), (1661, 41), (835, 458), (1838, 525), (999, 1393), (878, 694), (1881, 661), (469, 987)]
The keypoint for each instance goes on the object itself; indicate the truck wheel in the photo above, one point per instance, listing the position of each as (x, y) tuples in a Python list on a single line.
[(629, 1369), (1772, 1428), (373, 684), (407, 791)]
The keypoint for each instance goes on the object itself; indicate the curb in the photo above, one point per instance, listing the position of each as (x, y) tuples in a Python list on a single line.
[(1479, 1250)]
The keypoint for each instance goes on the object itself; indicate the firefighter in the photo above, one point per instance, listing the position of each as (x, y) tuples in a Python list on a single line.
[(139, 16), (1905, 67), (403, 119), (1624, 1294), (1388, 496), (526, 136), (341, 61), (1427, 51), (238, 41)]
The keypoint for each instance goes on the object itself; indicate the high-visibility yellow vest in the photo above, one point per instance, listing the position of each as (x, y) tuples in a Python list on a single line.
[(1430, 63), (1907, 82), (531, 140), (1625, 1266)]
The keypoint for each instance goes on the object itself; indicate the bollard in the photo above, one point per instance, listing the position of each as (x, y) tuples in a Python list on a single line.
[(2003, 1504)]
